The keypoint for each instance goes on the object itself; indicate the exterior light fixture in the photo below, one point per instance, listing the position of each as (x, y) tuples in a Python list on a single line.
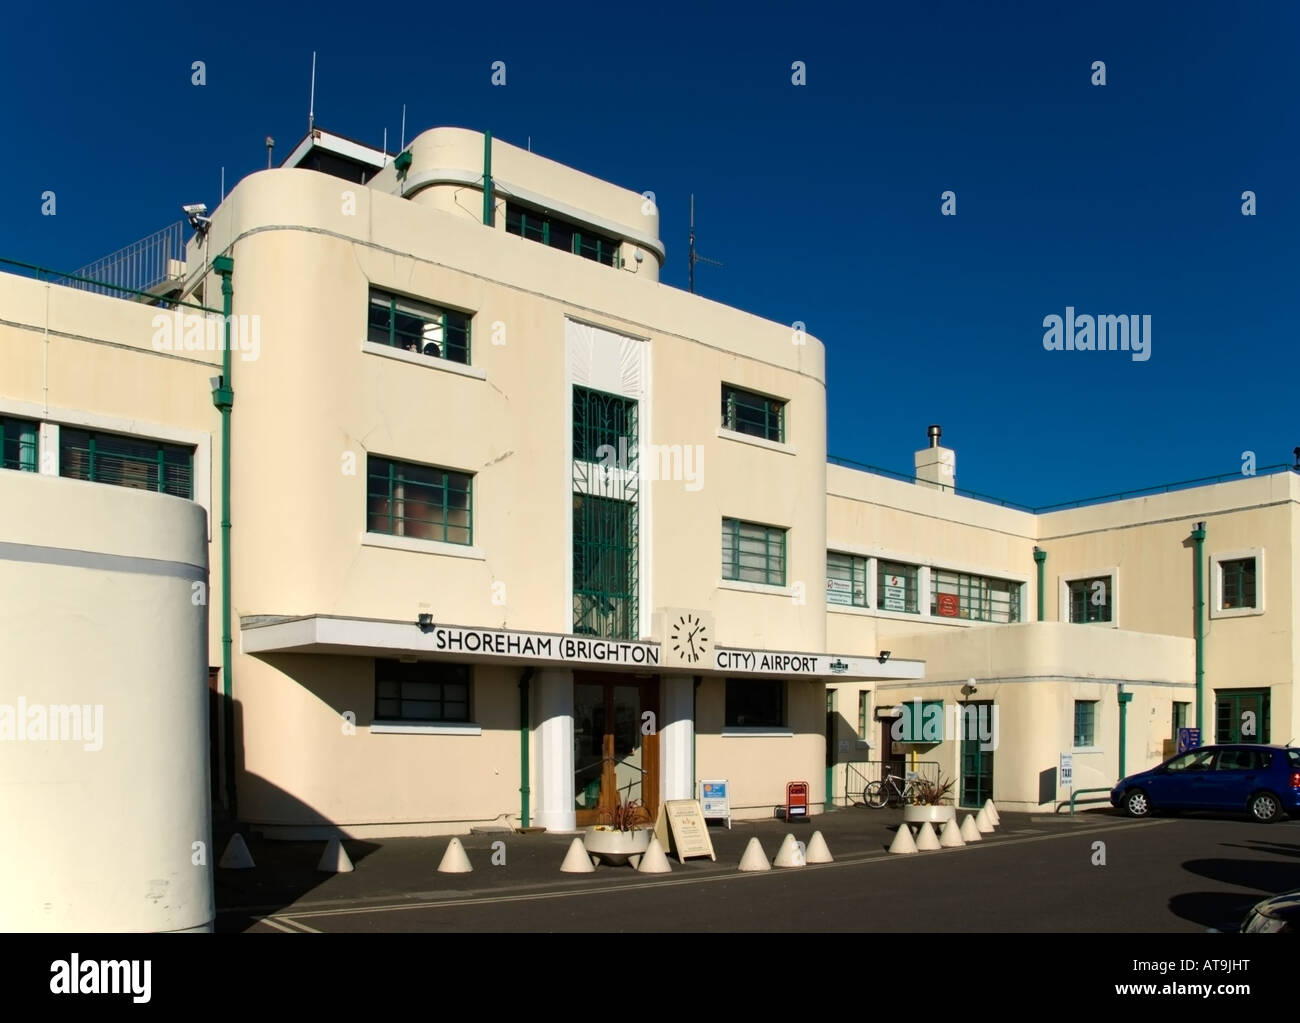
[(403, 162), (426, 621), (884, 656)]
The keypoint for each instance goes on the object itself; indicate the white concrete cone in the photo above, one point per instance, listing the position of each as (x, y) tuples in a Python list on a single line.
[(789, 855), (926, 839), (334, 860), (818, 852), (236, 856), (577, 860), (950, 837), (754, 857), (983, 823), (994, 817), (903, 841), (454, 860), (970, 830), (653, 860)]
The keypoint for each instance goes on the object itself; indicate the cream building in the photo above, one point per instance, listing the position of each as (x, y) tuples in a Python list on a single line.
[(515, 530)]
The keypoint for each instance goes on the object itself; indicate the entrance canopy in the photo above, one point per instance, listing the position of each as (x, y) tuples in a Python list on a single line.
[(368, 637)]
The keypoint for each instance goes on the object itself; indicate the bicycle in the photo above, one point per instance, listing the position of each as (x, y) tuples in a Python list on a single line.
[(890, 791)]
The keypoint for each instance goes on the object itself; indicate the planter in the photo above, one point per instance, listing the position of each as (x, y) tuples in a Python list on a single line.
[(616, 847), (936, 815)]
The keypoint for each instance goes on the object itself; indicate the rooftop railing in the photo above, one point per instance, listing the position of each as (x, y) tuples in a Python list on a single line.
[(82, 283), (140, 267)]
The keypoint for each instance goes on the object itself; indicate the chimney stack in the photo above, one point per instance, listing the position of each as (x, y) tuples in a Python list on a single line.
[(936, 466)]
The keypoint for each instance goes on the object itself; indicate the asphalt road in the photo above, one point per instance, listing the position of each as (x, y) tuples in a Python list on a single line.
[(1044, 874)]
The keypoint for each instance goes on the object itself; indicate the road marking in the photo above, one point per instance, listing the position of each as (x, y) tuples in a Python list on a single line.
[(711, 878), (287, 925)]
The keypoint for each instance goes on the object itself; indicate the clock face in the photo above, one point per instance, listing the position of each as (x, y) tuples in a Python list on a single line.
[(690, 638)]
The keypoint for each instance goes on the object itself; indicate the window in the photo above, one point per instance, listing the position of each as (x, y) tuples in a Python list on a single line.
[(846, 580), (604, 428), (896, 587), (1241, 715), (921, 721), (1243, 760), (754, 414), (1180, 717), (755, 703), (1238, 586), (1091, 599), (604, 567), (753, 553), (1195, 760), (974, 597), (425, 691), (864, 698), (563, 234), (1085, 723), (126, 462), (18, 444), (421, 501), (418, 327)]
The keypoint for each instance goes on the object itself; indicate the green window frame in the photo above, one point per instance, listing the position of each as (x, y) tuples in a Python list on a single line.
[(427, 691), (753, 553), (755, 703), (1239, 590), (903, 597), (19, 444), (864, 699), (1085, 723), (126, 461), (605, 567), (1082, 608), (756, 415), (979, 598), (420, 327), (1179, 717), (557, 233), (604, 428), (1230, 708), (846, 580), (425, 502)]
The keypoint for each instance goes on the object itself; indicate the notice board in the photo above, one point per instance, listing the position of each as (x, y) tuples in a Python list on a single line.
[(681, 830)]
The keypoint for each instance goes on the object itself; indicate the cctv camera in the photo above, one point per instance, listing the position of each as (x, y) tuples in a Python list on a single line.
[(638, 255), (195, 209)]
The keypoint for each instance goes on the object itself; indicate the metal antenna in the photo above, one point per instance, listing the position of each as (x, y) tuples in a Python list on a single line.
[(270, 145), (223, 184), (311, 108), (402, 147), (385, 146), (692, 258)]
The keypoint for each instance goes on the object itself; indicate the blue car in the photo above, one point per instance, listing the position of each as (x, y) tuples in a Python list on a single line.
[(1263, 781)]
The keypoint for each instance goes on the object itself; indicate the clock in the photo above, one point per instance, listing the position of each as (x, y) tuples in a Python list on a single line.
[(690, 637)]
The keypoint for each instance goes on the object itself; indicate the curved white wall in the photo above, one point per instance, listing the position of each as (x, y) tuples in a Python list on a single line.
[(106, 809)]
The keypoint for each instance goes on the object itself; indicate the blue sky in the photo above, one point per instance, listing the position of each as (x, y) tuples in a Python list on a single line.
[(822, 201)]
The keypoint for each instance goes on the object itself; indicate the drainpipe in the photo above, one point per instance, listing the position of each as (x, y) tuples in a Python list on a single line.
[(524, 719), (1040, 559), (695, 717), (488, 217), (223, 397), (1124, 700), (1198, 544)]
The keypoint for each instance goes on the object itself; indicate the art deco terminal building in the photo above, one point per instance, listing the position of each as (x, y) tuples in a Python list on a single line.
[(516, 530)]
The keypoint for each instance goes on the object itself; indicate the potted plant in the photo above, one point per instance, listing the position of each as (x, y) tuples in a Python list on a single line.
[(931, 801), (622, 834)]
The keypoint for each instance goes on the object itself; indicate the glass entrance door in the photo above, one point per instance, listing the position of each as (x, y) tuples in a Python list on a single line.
[(612, 759), (976, 763)]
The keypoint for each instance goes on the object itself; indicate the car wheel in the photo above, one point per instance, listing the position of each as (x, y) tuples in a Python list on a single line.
[(1136, 803), (1265, 807)]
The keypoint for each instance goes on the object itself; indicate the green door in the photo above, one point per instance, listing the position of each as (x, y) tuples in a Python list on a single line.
[(976, 763)]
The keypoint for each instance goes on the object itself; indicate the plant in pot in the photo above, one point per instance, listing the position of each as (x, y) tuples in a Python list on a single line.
[(931, 801), (622, 834)]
